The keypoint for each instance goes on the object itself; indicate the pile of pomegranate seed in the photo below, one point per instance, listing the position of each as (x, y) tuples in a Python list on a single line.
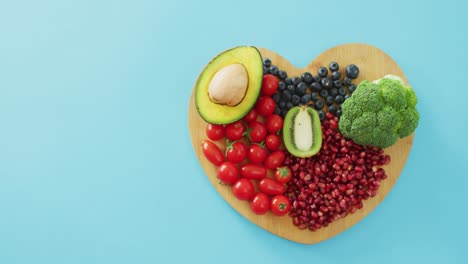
[(333, 183)]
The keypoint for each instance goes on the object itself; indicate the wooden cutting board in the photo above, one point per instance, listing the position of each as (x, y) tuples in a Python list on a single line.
[(373, 64)]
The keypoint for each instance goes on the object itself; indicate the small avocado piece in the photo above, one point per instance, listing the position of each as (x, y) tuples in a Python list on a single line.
[(302, 132), (220, 104)]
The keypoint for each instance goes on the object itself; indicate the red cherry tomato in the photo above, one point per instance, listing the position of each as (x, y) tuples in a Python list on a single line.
[(283, 174), (257, 153), (272, 142), (212, 152), (235, 130), (243, 189), (271, 187), (257, 132), (253, 171), (236, 152), (274, 123), (265, 106), (275, 159), (260, 204), (228, 172), (215, 132), (280, 205), (251, 116), (269, 84)]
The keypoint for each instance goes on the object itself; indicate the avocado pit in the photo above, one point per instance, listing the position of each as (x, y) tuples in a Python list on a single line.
[(229, 85)]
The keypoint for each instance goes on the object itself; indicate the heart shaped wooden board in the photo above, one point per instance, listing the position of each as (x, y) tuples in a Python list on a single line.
[(373, 64)]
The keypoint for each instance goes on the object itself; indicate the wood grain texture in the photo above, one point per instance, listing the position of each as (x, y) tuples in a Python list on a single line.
[(373, 64)]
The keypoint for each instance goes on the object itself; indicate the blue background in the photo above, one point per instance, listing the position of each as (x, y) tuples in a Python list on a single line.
[(96, 163)]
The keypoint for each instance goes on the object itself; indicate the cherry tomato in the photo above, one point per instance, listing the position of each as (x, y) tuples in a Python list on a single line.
[(275, 159), (274, 123), (257, 153), (212, 152), (271, 187), (251, 116), (215, 132), (260, 204), (243, 189), (265, 106), (257, 132), (272, 142), (253, 171), (228, 172), (235, 130), (280, 205), (236, 152), (269, 84), (283, 174)]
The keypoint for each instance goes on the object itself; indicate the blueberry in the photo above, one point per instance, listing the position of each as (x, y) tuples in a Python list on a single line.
[(277, 110), (314, 96), (296, 80), (347, 81), (289, 105), (342, 91), (282, 75), (332, 109), (352, 88), (274, 70), (347, 96), (337, 83), (339, 99), (301, 88), (329, 100), (336, 75), (334, 66), (281, 86), (327, 83), (322, 72), (321, 115), (276, 97), (307, 77), (282, 104), (284, 112), (266, 70), (324, 93), (267, 62), (288, 81), (319, 104), (295, 99), (286, 96), (333, 92), (291, 88), (315, 86), (317, 79), (352, 71), (306, 98), (338, 113)]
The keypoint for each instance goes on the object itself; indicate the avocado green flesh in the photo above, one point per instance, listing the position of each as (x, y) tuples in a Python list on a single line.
[(215, 113), (302, 133)]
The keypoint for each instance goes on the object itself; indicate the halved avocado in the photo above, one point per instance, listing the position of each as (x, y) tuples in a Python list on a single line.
[(215, 113), (302, 131)]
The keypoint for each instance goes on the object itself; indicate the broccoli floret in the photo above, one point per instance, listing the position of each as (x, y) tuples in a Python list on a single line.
[(409, 121), (411, 98), (368, 95), (362, 127), (380, 112)]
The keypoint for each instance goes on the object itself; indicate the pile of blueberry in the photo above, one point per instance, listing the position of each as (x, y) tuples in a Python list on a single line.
[(325, 92)]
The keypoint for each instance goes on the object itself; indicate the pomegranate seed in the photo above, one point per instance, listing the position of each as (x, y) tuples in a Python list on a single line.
[(333, 183)]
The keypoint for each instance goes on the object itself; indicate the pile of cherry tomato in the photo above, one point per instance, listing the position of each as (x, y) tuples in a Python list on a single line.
[(253, 148)]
